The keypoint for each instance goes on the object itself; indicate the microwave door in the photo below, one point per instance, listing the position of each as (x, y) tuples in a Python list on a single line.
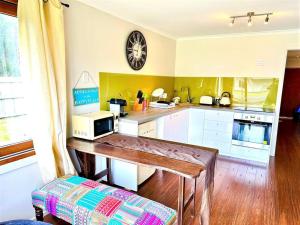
[(103, 127)]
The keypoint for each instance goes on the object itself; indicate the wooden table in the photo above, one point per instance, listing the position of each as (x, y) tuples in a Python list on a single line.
[(86, 151)]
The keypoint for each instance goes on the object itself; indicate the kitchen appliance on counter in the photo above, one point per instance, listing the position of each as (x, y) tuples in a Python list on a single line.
[(225, 99), (206, 100), (117, 106), (176, 100), (252, 130), (163, 104), (91, 126)]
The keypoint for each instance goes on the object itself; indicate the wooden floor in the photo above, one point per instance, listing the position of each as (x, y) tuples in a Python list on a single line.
[(245, 193)]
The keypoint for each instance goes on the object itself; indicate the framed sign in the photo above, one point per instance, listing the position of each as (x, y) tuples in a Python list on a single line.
[(88, 92), (84, 96)]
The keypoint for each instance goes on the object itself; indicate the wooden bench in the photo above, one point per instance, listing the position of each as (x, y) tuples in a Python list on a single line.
[(82, 201)]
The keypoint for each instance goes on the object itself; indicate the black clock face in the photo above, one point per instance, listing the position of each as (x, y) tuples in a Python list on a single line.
[(136, 50)]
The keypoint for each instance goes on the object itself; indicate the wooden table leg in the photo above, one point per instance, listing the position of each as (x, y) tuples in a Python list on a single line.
[(180, 208), (108, 167), (194, 197)]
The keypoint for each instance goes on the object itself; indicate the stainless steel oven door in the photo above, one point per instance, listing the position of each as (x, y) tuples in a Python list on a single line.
[(252, 134)]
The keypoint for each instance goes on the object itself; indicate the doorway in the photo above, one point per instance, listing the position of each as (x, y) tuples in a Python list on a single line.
[(291, 87)]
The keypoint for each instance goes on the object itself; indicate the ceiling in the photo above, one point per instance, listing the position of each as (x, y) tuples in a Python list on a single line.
[(190, 18)]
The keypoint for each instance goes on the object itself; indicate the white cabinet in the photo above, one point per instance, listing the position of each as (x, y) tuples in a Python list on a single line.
[(196, 126), (218, 130), (211, 128), (129, 175), (176, 127), (146, 130)]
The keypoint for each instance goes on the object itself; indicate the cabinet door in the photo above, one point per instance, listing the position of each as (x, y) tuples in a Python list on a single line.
[(196, 124), (124, 174), (223, 147), (217, 136), (176, 127), (225, 127), (148, 129)]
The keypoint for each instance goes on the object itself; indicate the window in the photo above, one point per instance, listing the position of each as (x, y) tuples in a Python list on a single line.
[(15, 140)]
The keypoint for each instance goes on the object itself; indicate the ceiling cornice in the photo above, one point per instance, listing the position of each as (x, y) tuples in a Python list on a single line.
[(248, 34)]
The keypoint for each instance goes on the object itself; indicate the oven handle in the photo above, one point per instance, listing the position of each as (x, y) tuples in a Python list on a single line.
[(248, 122)]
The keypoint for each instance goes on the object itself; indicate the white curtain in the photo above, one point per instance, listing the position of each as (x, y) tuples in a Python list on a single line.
[(42, 55)]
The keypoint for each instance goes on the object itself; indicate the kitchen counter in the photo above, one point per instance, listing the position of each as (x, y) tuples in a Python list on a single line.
[(154, 113)]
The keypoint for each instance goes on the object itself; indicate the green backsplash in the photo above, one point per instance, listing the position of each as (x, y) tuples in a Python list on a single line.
[(253, 92), (126, 86), (198, 86)]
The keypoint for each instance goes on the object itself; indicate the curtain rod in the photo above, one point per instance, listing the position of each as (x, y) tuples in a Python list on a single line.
[(63, 4)]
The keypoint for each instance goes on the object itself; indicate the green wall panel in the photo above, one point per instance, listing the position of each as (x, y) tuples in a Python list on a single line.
[(126, 86), (245, 91), (198, 86)]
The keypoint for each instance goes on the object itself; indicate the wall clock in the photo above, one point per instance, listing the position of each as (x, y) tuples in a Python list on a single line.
[(136, 50)]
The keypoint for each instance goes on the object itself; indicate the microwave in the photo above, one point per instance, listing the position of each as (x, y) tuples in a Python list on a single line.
[(91, 126)]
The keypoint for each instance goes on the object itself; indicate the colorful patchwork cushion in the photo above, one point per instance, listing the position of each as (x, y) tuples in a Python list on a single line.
[(85, 202)]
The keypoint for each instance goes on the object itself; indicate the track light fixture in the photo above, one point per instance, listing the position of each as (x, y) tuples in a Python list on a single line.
[(250, 16)]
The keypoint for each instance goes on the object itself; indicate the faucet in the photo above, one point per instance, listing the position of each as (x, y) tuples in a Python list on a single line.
[(188, 99)]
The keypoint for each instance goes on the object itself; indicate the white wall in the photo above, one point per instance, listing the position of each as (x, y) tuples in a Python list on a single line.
[(253, 55), (95, 41), (238, 55)]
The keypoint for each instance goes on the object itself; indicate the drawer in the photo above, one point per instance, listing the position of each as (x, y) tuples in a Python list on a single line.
[(223, 147), (148, 129), (250, 153), (218, 115), (217, 136), (257, 154), (218, 126), (148, 133), (147, 126)]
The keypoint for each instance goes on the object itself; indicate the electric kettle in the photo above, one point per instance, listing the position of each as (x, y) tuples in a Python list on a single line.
[(225, 99)]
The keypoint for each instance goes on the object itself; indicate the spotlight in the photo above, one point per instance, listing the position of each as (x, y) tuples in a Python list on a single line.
[(267, 19), (232, 22), (250, 22)]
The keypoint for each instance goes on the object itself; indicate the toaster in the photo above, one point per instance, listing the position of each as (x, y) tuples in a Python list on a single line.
[(206, 100)]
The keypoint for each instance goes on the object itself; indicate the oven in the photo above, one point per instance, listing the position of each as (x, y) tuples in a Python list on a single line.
[(252, 130)]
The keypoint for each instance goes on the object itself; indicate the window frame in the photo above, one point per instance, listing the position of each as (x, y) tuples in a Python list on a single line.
[(8, 7), (24, 149)]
